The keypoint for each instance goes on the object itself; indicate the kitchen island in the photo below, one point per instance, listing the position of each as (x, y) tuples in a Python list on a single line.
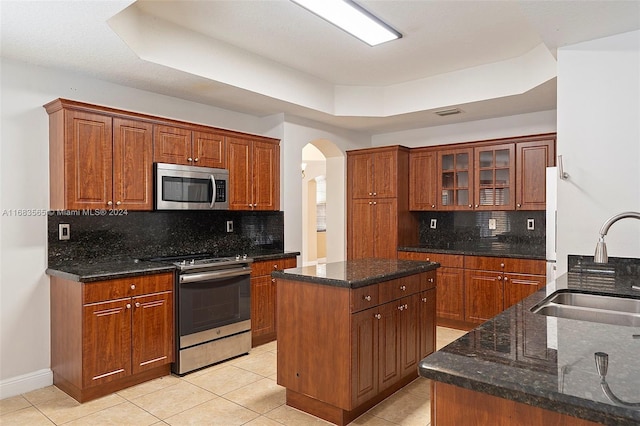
[(352, 333), (526, 368)]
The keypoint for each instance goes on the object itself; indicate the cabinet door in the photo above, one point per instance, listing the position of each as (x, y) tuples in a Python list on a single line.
[(172, 145), (88, 160), (427, 322), (483, 295), (364, 355), (152, 331), (450, 289), (263, 306), (209, 150), (388, 345), (422, 180), (385, 174), (519, 286), (360, 175), (132, 165), (361, 229), (409, 330), (385, 225), (494, 177), (531, 162), (455, 175), (106, 343), (266, 176), (240, 174)]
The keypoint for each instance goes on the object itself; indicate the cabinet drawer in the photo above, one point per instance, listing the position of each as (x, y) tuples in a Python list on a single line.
[(364, 297), (265, 267), (484, 263), (126, 287), (523, 266), (401, 287), (427, 280), (445, 260)]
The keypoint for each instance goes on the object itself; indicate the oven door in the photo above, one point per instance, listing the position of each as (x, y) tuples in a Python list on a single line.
[(209, 301), (190, 188)]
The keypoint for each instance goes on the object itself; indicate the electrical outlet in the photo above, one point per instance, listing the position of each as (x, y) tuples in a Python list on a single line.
[(434, 223), (531, 225), (64, 231), (229, 226), (492, 224)]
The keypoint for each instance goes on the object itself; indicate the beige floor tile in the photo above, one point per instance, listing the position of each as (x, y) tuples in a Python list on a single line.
[(445, 335), (267, 347), (264, 364), (292, 417), (370, 420), (40, 396), (172, 400), (261, 396), (212, 413), (65, 409), (263, 421), (126, 414), (420, 387), (26, 416), (214, 367), (13, 403), (404, 409), (148, 387), (224, 380)]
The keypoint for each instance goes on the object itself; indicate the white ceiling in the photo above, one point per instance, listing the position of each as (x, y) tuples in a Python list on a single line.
[(489, 58)]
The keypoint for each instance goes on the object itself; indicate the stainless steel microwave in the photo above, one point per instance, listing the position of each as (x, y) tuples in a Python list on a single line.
[(180, 187)]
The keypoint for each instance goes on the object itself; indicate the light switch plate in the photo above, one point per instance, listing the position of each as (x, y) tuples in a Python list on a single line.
[(492, 224), (531, 225), (64, 231), (229, 226), (434, 223)]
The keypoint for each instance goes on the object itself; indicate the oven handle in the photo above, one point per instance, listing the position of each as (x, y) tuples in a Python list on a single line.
[(203, 276), (213, 195)]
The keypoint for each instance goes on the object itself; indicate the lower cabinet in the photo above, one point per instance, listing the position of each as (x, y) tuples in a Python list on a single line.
[(108, 335), (263, 298)]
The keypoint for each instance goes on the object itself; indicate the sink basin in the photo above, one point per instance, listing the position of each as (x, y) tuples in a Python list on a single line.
[(591, 307)]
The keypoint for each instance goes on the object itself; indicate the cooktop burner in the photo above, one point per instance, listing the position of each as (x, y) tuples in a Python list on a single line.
[(203, 260)]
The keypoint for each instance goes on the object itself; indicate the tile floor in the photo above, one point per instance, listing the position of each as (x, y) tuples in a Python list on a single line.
[(242, 391)]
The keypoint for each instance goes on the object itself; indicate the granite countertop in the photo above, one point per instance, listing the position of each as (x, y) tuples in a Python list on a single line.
[(549, 361), (355, 273), (124, 266), (483, 248)]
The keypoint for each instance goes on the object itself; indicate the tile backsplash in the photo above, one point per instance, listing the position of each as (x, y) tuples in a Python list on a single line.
[(165, 233)]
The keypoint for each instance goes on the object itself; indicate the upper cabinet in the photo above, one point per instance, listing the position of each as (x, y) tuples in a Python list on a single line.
[(98, 161), (506, 175), (176, 145), (373, 174), (254, 174)]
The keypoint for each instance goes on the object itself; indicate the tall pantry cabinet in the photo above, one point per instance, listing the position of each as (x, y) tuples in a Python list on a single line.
[(378, 202)]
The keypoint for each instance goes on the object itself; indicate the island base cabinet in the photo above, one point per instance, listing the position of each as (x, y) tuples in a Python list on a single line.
[(453, 406)]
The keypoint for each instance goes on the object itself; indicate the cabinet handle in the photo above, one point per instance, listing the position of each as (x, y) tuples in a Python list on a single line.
[(506, 278), (401, 308), (371, 193), (430, 280), (476, 206), (428, 260), (273, 280), (375, 202), (367, 298), (424, 299), (433, 206), (370, 202), (470, 205), (118, 203), (403, 287), (502, 265), (109, 203), (499, 278), (275, 266), (375, 193), (196, 159), (133, 286), (128, 305), (190, 159), (137, 304), (377, 316), (519, 205)]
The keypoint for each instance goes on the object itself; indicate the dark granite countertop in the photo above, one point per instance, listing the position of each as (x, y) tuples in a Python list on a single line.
[(483, 248), (123, 266), (355, 273), (549, 361)]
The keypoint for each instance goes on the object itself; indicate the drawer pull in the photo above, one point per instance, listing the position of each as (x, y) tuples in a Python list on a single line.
[(133, 286), (424, 299), (377, 316), (275, 266), (499, 278), (137, 304), (367, 298), (506, 278), (430, 280), (401, 308), (403, 287), (128, 305), (273, 280)]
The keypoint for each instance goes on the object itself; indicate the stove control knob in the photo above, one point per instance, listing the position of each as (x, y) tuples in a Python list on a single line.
[(192, 262), (244, 256), (237, 257)]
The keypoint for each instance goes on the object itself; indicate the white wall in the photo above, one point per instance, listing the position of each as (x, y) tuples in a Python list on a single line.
[(599, 139)]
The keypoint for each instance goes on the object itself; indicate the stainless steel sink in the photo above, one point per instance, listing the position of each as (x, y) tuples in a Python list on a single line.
[(591, 307)]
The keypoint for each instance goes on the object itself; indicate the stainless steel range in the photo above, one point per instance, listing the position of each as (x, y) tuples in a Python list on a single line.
[(213, 310)]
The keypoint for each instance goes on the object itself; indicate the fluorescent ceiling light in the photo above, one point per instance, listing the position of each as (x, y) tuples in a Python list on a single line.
[(352, 18)]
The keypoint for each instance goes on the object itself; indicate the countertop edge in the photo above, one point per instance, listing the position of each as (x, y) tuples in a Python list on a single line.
[(473, 253)]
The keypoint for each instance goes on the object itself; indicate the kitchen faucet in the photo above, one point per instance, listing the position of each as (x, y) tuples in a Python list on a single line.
[(601, 248), (602, 365)]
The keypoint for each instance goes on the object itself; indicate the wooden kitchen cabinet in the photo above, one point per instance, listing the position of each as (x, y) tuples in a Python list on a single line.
[(378, 202), (423, 177), (97, 161), (109, 335), (254, 174), (263, 298), (532, 160), (494, 177), (178, 145), (455, 178)]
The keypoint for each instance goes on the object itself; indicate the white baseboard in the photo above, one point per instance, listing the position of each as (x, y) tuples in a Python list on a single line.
[(26, 383)]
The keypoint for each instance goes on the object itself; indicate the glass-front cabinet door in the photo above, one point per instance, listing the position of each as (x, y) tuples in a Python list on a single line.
[(494, 176), (454, 179)]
